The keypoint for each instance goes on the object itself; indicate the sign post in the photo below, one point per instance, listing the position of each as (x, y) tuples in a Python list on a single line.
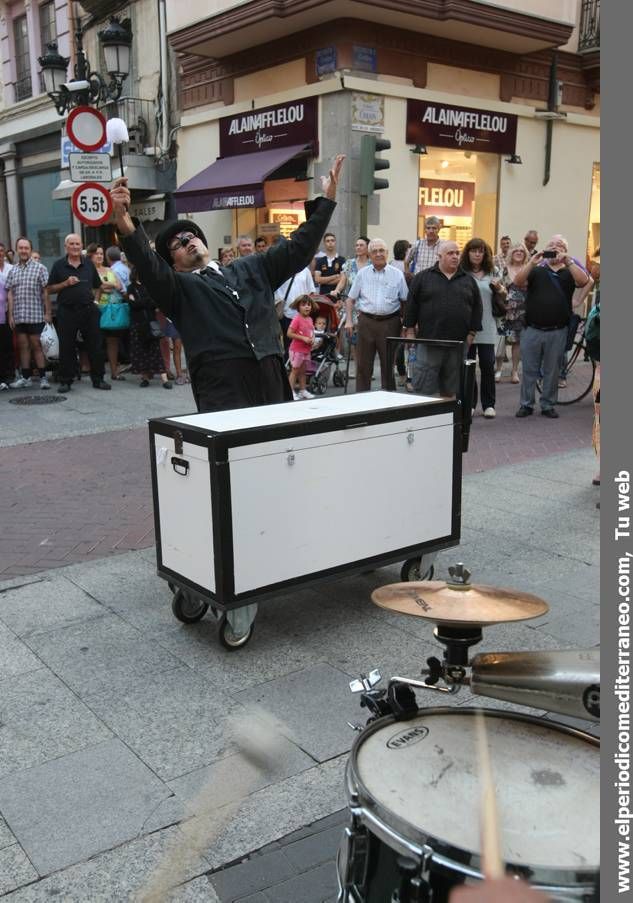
[(91, 204)]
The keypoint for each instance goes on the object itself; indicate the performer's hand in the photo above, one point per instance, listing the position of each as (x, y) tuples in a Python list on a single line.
[(120, 195), (330, 182), (499, 890)]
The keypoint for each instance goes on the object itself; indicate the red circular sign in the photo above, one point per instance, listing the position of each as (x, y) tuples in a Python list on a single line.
[(92, 204), (86, 128)]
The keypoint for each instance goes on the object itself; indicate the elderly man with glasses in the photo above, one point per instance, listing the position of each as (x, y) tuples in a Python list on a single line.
[(225, 315)]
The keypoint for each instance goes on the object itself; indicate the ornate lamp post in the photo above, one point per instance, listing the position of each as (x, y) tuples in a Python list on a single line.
[(88, 86)]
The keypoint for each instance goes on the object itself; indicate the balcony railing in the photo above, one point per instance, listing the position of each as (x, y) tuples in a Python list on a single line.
[(140, 117), (589, 37)]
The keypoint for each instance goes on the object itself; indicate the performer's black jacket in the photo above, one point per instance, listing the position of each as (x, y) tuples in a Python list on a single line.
[(232, 316)]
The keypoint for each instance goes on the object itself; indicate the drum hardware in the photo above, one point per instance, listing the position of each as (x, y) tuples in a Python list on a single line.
[(398, 699)]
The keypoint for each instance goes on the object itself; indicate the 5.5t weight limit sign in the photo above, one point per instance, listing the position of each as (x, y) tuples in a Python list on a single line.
[(91, 204)]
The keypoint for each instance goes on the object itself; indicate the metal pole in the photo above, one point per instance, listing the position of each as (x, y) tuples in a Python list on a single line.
[(363, 214)]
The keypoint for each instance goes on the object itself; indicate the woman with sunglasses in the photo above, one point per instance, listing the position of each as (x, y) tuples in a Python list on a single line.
[(225, 315)]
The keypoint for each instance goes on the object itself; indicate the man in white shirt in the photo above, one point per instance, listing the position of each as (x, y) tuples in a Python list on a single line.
[(379, 292)]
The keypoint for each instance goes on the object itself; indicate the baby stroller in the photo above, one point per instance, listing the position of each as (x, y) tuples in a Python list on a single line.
[(325, 357)]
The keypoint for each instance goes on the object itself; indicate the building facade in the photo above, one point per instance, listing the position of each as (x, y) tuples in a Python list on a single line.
[(35, 184), (492, 112)]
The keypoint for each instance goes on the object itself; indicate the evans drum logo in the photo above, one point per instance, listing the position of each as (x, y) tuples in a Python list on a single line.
[(407, 737)]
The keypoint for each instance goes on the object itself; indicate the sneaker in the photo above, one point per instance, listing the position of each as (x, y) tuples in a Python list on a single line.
[(100, 384), (167, 385), (144, 383), (489, 413), (63, 388), (44, 383), (524, 412), (550, 412), (305, 395), (4, 387), (22, 383), (296, 396), (498, 376), (180, 380)]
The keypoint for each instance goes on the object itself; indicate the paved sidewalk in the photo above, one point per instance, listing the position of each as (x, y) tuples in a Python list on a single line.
[(81, 498), (114, 715)]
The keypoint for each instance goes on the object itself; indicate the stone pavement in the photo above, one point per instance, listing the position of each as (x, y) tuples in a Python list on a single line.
[(115, 717), (81, 490)]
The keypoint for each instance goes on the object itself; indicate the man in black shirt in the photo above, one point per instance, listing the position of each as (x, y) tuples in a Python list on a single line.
[(74, 279), (328, 266), (444, 303), (225, 315), (548, 308)]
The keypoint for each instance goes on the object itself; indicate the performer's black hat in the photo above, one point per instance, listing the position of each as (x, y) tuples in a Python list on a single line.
[(180, 225)]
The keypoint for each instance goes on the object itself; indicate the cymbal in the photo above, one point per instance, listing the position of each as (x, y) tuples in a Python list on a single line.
[(459, 605)]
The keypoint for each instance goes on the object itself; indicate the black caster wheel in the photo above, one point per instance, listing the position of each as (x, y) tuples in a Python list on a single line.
[(188, 609), (232, 641), (411, 571), (339, 379)]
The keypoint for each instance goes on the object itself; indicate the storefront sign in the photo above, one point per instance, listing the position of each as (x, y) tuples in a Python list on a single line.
[(368, 113), (442, 125), (284, 125), (148, 210), (439, 197), (90, 167), (364, 58), (326, 60), (230, 201)]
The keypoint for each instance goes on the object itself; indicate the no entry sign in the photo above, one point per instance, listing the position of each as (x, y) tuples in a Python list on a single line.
[(86, 128), (92, 204)]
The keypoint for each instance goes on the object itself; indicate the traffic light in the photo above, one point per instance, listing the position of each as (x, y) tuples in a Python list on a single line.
[(370, 163)]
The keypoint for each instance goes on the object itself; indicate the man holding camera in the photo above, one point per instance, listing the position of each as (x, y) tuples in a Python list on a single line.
[(548, 309)]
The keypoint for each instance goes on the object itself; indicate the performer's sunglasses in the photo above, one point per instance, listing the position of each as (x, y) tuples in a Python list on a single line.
[(182, 240)]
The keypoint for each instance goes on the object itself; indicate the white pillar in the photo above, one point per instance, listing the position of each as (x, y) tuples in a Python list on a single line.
[(7, 155)]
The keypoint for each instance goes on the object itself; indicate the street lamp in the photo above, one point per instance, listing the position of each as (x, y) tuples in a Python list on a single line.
[(87, 86)]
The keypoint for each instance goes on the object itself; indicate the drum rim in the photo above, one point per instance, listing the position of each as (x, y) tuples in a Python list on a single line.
[(394, 825)]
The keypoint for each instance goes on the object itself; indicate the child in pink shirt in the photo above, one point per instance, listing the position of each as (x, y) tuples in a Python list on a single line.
[(301, 332)]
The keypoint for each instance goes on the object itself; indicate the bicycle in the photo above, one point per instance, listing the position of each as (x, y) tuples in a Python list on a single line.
[(579, 372)]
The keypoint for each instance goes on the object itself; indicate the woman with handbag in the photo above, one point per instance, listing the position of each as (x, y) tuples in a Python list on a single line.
[(476, 259), (115, 312), (145, 335), (514, 320)]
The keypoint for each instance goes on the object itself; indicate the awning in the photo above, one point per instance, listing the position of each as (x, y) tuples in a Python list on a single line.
[(233, 181)]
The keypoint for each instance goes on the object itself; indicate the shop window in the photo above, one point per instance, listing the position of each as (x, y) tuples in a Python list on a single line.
[(48, 30), (47, 222), (460, 188), (23, 86)]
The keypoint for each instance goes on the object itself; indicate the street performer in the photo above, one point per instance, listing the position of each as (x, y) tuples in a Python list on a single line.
[(225, 315)]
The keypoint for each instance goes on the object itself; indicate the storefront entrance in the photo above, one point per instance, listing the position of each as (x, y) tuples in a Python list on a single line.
[(459, 187)]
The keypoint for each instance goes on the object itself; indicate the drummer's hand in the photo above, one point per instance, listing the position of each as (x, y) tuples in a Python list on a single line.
[(499, 890)]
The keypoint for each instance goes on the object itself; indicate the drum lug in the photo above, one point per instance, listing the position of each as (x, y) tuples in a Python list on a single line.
[(355, 856), (415, 886)]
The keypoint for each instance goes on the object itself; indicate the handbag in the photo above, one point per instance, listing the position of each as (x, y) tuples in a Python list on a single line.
[(498, 307), (115, 315)]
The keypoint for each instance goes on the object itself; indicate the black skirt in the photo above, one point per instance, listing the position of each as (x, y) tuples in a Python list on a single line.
[(145, 356)]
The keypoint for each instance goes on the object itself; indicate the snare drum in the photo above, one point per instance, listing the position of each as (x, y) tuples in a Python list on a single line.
[(414, 793)]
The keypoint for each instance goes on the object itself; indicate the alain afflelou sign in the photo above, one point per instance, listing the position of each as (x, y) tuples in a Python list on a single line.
[(284, 125), (443, 125)]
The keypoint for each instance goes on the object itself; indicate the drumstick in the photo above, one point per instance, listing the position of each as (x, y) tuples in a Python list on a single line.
[(257, 735), (491, 860)]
